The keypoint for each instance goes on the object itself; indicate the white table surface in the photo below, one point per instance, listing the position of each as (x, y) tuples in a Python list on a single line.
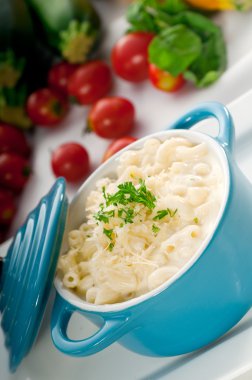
[(231, 356)]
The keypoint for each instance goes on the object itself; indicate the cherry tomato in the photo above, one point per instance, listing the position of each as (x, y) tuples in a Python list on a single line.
[(117, 145), (130, 56), (71, 161), (90, 82), (7, 207), (13, 140), (111, 117), (14, 171), (46, 107), (59, 75), (165, 81)]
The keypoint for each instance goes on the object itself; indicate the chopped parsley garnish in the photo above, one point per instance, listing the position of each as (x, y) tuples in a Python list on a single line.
[(111, 246), (196, 220), (126, 214), (108, 233), (162, 213), (128, 193), (155, 229), (103, 216)]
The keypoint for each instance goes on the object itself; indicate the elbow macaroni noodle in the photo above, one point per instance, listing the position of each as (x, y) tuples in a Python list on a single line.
[(182, 176)]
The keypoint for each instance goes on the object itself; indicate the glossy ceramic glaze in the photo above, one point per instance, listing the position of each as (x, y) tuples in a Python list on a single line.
[(207, 297), (28, 273)]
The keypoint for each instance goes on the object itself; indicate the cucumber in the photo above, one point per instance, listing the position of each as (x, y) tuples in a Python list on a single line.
[(71, 27)]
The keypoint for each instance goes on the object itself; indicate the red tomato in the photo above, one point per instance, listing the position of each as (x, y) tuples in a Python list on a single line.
[(90, 82), (111, 117), (14, 171), (46, 107), (59, 75), (117, 145), (13, 140), (130, 56), (165, 81), (7, 207), (71, 161)]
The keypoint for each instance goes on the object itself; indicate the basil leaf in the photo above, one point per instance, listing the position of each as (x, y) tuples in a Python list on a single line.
[(170, 6), (174, 49), (212, 61), (140, 18)]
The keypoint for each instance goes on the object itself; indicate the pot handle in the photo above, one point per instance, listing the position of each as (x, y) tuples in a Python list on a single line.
[(111, 330), (204, 111)]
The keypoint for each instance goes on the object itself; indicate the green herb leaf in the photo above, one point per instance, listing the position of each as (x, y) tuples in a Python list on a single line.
[(128, 193), (111, 246), (153, 15), (196, 220), (155, 229), (108, 233), (172, 6), (172, 213), (103, 216), (140, 18), (162, 213), (126, 214), (212, 61), (175, 49)]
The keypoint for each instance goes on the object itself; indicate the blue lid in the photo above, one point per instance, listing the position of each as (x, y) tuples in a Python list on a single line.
[(28, 272)]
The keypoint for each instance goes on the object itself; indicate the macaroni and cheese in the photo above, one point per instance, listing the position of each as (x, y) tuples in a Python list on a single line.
[(143, 225)]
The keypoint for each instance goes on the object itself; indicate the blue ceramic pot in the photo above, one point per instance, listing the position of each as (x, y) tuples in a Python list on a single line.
[(206, 298)]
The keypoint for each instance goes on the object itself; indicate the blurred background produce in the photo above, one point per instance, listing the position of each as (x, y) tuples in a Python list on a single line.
[(51, 57), (240, 5)]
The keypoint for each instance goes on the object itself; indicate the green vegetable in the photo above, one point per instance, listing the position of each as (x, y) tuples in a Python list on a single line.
[(24, 62), (22, 56), (12, 106), (71, 27), (174, 49), (140, 18), (170, 6), (187, 42), (16, 37), (148, 15), (211, 63), (11, 68)]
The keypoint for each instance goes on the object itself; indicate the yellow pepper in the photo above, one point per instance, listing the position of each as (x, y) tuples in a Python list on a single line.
[(221, 4)]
